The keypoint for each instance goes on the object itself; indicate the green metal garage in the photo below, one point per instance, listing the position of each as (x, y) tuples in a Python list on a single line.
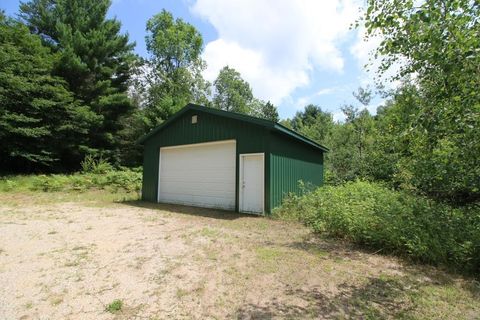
[(212, 158)]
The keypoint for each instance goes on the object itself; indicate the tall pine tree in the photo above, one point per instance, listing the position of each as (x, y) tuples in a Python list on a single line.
[(95, 60), (40, 121)]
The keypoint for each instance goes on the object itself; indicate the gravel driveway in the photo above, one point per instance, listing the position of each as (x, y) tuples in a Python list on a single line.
[(70, 260)]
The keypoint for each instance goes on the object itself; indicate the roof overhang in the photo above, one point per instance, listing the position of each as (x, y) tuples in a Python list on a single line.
[(276, 127)]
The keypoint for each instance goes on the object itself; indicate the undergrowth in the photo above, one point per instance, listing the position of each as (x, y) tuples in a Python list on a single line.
[(372, 215), (95, 174)]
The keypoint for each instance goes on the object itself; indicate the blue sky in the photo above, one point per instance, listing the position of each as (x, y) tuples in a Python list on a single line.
[(291, 52)]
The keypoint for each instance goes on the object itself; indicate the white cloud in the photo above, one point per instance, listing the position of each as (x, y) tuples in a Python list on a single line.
[(326, 91), (339, 116), (276, 44), (363, 50)]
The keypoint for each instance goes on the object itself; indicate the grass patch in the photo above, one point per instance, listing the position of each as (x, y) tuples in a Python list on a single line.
[(317, 252), (91, 198), (125, 180), (445, 301), (268, 253), (211, 253), (270, 259), (115, 306), (210, 233)]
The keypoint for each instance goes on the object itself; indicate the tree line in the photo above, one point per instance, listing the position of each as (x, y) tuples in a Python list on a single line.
[(71, 86), (425, 138)]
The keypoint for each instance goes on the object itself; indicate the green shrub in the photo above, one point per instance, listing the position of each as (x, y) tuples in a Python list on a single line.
[(397, 222), (48, 183), (92, 164), (7, 185), (128, 180), (80, 182)]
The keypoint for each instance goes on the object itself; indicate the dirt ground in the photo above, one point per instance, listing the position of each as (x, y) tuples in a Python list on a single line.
[(71, 259)]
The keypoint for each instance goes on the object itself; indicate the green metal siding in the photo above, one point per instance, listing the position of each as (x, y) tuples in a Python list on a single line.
[(249, 138), (287, 159), (290, 163)]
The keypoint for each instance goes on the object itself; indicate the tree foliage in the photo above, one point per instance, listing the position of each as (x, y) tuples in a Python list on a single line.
[(174, 69), (268, 111), (40, 121), (313, 122), (94, 60), (232, 93), (437, 43)]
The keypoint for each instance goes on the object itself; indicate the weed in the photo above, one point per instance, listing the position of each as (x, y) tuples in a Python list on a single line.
[(8, 185), (73, 263), (181, 293), (115, 306), (150, 218), (140, 261), (56, 301), (92, 164)]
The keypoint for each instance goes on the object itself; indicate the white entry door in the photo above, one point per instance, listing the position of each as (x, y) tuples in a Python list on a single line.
[(251, 183), (200, 174)]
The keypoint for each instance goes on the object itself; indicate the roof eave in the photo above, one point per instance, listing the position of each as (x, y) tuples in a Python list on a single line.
[(306, 140), (261, 122)]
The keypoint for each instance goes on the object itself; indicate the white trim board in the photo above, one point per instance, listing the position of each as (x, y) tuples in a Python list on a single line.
[(198, 144)]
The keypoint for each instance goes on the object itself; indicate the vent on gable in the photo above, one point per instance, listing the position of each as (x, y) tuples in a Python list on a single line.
[(194, 119)]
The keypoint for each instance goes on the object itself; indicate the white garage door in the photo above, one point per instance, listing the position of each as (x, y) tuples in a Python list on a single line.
[(198, 175)]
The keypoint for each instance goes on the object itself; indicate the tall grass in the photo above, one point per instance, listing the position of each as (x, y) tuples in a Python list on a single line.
[(96, 174), (396, 222), (127, 180)]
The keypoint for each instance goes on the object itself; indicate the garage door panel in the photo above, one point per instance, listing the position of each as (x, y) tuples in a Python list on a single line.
[(201, 175), (200, 190), (214, 177), (202, 201)]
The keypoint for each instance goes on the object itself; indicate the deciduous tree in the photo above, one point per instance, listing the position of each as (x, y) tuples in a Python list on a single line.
[(437, 43), (173, 75)]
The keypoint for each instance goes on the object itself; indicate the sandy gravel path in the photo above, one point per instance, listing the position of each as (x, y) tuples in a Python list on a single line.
[(69, 260)]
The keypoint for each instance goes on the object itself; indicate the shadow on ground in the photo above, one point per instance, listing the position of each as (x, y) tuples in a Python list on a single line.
[(194, 211), (377, 298)]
